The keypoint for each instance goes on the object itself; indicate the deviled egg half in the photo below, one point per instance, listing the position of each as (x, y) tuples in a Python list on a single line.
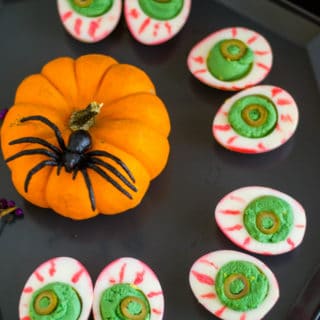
[(261, 220), (59, 289), (127, 289), (233, 59), (233, 285), (153, 22), (256, 120), (89, 20)]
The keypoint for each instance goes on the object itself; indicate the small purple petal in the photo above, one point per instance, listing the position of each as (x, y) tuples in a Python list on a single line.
[(3, 203), (3, 113), (19, 212), (11, 203)]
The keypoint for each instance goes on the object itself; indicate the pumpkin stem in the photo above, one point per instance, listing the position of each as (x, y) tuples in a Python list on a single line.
[(85, 119)]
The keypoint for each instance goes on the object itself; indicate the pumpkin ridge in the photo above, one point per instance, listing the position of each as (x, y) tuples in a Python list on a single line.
[(99, 135), (61, 93), (137, 121), (101, 79)]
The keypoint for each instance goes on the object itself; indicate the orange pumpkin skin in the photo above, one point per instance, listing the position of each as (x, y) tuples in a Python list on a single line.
[(133, 125)]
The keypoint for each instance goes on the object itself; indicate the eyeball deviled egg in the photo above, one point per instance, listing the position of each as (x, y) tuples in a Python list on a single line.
[(89, 20), (128, 289), (231, 59), (153, 22), (59, 289), (256, 120), (233, 285), (261, 220)]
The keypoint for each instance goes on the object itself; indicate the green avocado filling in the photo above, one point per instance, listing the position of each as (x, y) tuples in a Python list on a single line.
[(55, 301), (161, 9), (268, 219), (124, 302), (91, 8), (241, 286), (230, 60), (253, 116)]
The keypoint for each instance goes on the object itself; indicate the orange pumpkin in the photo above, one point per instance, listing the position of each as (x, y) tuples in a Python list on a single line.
[(86, 136)]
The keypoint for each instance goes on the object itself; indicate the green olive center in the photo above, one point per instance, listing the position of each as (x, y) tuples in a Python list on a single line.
[(46, 302), (236, 286), (133, 308), (268, 222), (254, 115), (233, 49), (82, 3)]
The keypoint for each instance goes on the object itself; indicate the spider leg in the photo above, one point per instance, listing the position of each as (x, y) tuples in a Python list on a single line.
[(36, 140), (51, 125), (90, 189), (114, 171), (33, 152), (75, 172), (35, 169), (109, 179), (114, 158)]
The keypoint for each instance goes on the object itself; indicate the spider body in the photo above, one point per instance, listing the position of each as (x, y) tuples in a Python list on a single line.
[(79, 143), (75, 157)]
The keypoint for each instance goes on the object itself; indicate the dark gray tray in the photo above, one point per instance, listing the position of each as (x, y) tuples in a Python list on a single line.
[(174, 225)]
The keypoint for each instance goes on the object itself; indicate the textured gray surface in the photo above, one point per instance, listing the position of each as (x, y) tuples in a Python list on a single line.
[(174, 225)]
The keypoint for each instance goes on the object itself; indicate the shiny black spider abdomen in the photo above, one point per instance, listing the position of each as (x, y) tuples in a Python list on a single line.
[(74, 157)]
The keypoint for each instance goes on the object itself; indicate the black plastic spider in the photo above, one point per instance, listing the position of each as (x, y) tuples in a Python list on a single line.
[(74, 157)]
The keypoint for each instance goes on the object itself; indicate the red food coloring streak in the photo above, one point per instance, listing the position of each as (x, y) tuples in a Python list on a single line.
[(168, 27), (39, 276), (243, 316), (235, 198), (219, 312), (283, 102), (235, 88), (112, 281), (222, 127), (263, 66), (261, 146), (200, 71), (52, 269), (203, 278), (121, 273), (157, 26), (94, 25), (198, 59), (77, 26), (156, 311), (252, 39), (209, 263), (261, 53), (28, 290), (26, 318), (154, 294), (278, 127), (134, 13), (234, 32), (231, 139), (246, 241), (66, 16), (276, 91), (299, 226), (139, 277), (266, 253), (242, 150), (232, 212), (236, 227), (75, 278), (144, 25), (291, 243), (209, 295), (286, 118)]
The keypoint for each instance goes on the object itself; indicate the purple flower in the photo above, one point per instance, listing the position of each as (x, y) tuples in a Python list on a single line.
[(11, 203), (3, 203), (18, 212), (3, 113)]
